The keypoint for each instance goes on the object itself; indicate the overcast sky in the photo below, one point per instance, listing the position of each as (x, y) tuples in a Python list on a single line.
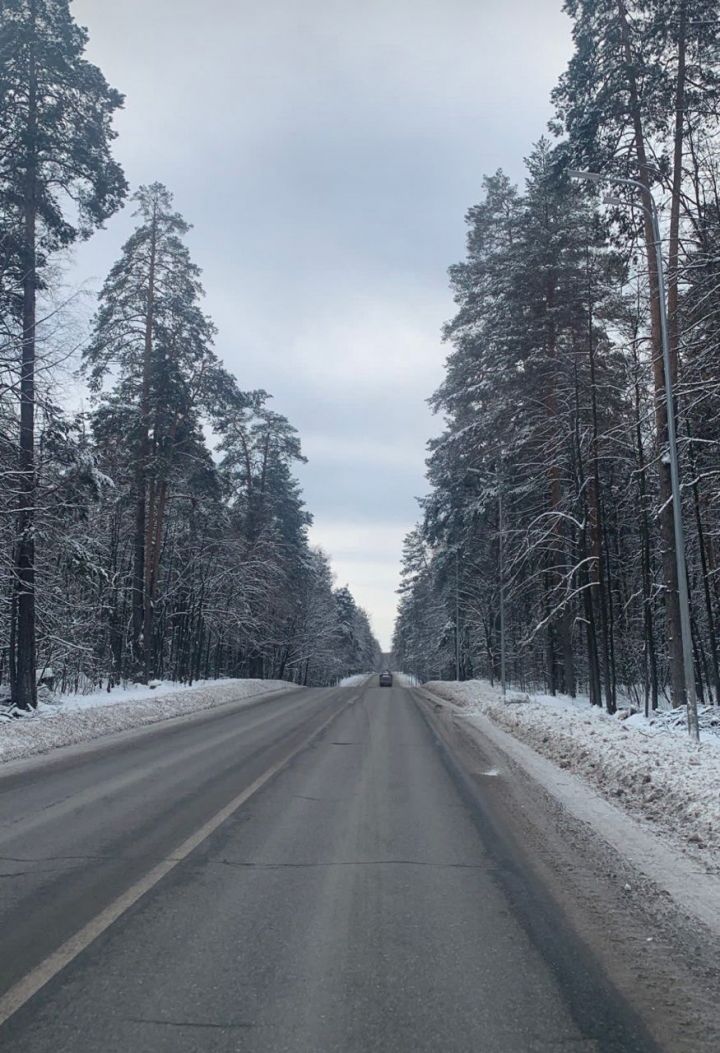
[(326, 152)]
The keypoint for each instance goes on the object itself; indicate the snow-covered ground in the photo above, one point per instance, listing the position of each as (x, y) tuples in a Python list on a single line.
[(356, 680), (649, 768), (70, 719)]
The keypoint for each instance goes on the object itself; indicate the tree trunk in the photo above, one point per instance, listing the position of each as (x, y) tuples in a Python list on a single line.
[(672, 605), (564, 619), (593, 664), (673, 292), (142, 614), (709, 612), (24, 689), (598, 591), (651, 691)]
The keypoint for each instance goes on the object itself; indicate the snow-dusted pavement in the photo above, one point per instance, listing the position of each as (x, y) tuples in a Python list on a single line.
[(330, 870)]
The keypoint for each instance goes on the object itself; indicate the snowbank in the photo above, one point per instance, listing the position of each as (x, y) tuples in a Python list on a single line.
[(356, 680), (652, 770), (78, 718)]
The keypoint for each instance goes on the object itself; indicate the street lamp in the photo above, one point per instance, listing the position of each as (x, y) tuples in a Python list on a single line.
[(678, 529), (501, 560), (501, 571), (457, 616)]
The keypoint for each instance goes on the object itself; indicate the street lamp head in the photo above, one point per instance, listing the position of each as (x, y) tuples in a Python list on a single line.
[(590, 177)]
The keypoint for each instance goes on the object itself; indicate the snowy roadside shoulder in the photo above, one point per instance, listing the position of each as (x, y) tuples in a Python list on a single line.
[(655, 775), (78, 718)]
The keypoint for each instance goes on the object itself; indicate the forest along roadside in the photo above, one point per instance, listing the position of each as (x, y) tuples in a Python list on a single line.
[(610, 874)]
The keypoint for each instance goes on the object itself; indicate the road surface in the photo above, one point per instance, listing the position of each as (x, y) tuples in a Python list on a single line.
[(232, 883)]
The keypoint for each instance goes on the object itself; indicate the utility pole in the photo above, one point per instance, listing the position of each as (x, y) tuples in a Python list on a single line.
[(501, 553), (457, 616), (501, 571), (678, 529)]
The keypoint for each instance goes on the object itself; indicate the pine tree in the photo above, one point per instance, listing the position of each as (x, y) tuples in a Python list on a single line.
[(57, 182), (151, 330)]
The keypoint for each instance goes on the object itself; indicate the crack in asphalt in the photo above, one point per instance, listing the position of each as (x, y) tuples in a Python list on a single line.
[(240, 864), (62, 859), (352, 863), (28, 873), (188, 1023)]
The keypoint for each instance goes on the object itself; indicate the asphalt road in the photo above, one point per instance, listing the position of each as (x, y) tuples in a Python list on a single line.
[(362, 895)]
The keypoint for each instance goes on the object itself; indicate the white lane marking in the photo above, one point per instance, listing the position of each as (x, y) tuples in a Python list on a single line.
[(21, 992)]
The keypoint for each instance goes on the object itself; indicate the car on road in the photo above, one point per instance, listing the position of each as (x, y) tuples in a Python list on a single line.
[(385, 679)]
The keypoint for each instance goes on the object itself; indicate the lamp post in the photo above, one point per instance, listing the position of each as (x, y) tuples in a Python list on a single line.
[(501, 569), (501, 573), (678, 529), (457, 616), (501, 560)]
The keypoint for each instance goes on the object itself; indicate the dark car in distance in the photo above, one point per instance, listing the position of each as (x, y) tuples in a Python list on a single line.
[(385, 679)]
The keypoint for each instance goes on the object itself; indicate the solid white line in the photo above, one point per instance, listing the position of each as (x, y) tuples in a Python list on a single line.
[(17, 995)]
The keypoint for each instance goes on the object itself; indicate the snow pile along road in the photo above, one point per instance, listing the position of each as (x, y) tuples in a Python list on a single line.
[(654, 772), (355, 680), (80, 718)]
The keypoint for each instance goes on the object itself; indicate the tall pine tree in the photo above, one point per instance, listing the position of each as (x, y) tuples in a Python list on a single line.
[(58, 181), (152, 336)]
